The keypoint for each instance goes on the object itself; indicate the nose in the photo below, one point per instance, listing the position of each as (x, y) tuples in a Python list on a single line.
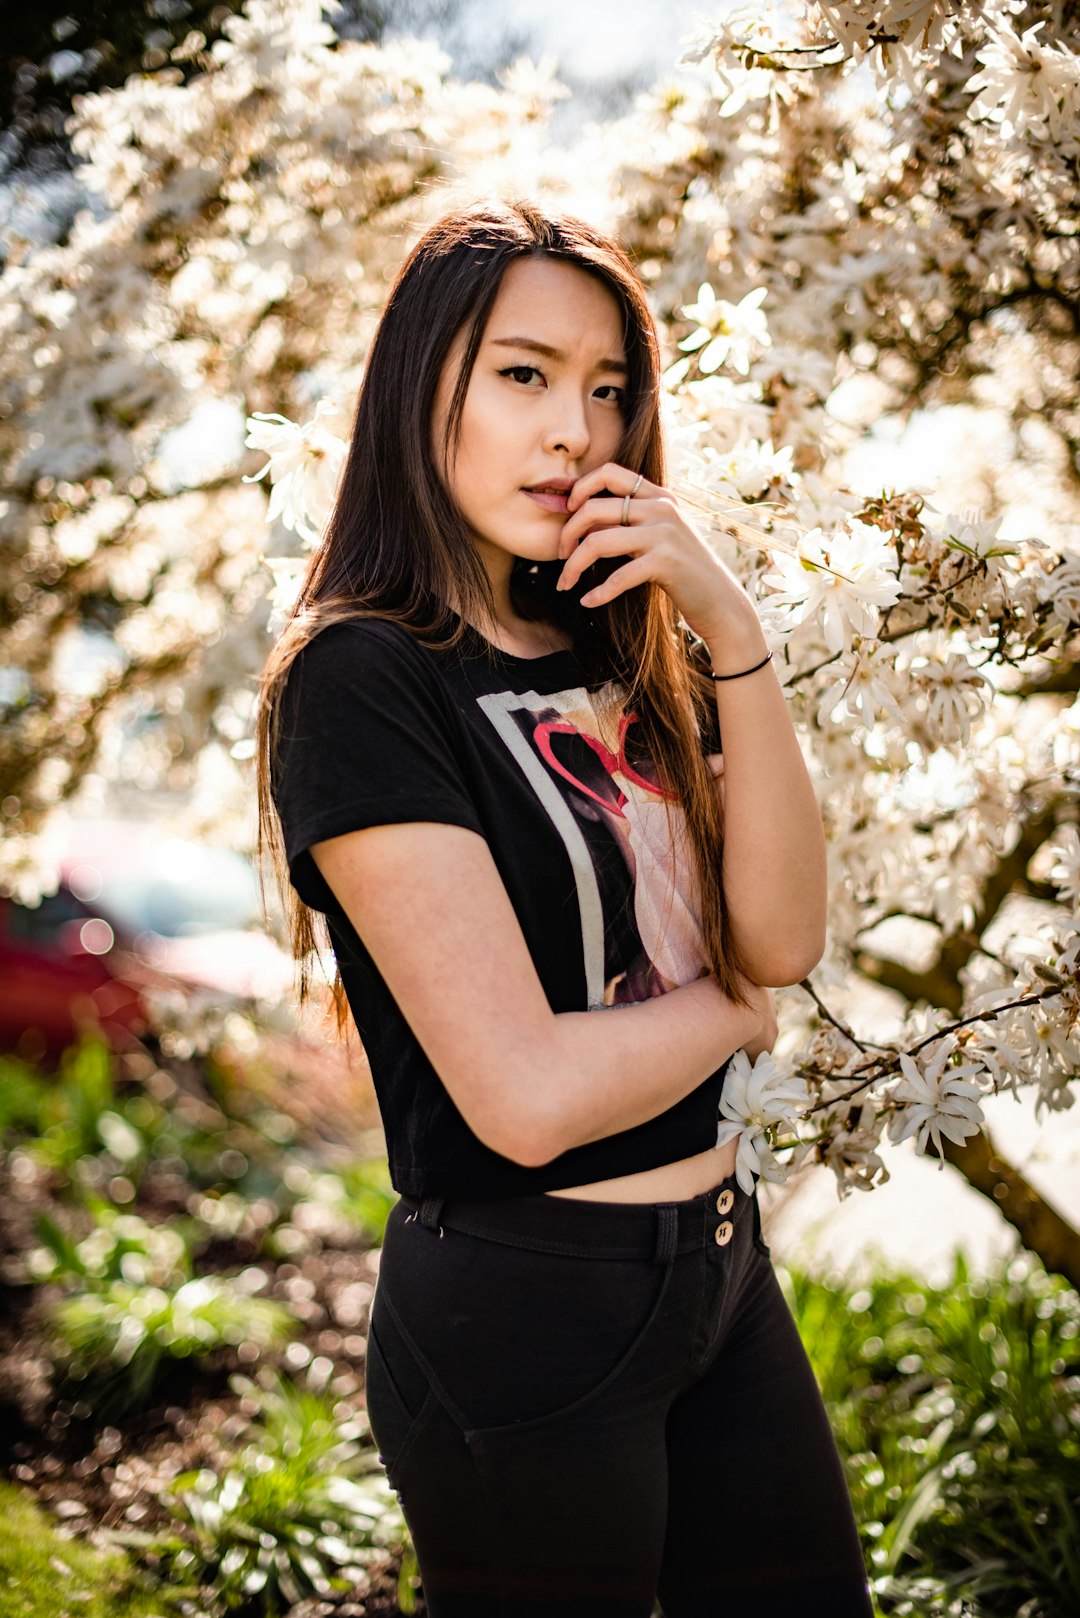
[(567, 428)]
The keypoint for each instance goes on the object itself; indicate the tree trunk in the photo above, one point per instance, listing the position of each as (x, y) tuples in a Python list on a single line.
[(1040, 1227)]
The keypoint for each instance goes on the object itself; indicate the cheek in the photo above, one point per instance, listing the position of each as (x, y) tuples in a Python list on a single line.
[(486, 447)]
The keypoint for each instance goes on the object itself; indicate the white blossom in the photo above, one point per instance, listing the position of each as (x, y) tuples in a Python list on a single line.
[(755, 1101), (852, 1149), (839, 581), (727, 333), (954, 692), (863, 685), (304, 464), (1065, 872), (937, 1100), (1024, 82)]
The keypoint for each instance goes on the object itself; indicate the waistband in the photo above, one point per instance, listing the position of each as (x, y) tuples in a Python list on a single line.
[(651, 1231)]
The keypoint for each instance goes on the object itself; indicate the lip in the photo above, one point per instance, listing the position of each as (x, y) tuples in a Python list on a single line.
[(549, 501)]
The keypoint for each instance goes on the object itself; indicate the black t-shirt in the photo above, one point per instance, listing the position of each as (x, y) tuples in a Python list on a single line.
[(378, 728)]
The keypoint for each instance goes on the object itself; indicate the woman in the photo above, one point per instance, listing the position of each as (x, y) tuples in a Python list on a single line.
[(490, 757)]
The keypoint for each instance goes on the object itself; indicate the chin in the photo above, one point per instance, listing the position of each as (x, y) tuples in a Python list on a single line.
[(542, 550)]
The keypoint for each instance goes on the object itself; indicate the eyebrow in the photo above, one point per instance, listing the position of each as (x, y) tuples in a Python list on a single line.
[(555, 353)]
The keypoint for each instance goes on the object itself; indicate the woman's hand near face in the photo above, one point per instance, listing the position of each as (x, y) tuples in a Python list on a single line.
[(658, 540)]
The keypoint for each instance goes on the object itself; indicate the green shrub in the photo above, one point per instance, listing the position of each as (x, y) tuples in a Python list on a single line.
[(133, 1304), (67, 1117), (357, 1197), (958, 1412), (368, 1195), (297, 1514), (74, 1123)]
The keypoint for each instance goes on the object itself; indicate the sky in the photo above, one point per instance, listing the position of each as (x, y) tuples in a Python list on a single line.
[(606, 50), (604, 38)]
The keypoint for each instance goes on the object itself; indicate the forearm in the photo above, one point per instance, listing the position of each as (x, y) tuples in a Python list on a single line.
[(612, 1070), (774, 866)]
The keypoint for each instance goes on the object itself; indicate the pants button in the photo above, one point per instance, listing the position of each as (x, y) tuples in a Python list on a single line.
[(723, 1232), (725, 1201)]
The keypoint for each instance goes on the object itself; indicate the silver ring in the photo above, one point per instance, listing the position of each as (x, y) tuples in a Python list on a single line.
[(627, 499)]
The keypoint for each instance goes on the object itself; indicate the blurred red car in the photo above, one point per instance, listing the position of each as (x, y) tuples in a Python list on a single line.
[(136, 914)]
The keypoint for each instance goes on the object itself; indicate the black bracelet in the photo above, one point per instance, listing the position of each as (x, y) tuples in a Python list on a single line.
[(741, 672)]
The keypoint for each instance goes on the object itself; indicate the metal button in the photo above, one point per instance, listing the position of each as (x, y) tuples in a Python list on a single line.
[(724, 1232), (724, 1201)]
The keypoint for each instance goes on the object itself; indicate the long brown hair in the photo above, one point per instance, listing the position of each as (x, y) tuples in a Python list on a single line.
[(396, 546)]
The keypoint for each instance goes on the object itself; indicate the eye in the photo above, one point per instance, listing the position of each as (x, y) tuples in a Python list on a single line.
[(522, 373)]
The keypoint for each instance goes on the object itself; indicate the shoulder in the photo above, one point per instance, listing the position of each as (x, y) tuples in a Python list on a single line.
[(361, 653), (365, 637)]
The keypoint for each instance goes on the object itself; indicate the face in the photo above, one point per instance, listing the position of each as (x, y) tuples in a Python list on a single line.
[(545, 404)]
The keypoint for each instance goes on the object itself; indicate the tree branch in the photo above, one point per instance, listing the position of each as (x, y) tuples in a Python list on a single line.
[(1039, 1225)]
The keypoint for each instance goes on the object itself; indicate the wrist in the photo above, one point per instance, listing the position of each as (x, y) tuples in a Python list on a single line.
[(737, 645)]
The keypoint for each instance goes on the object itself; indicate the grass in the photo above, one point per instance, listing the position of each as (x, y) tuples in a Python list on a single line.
[(45, 1574)]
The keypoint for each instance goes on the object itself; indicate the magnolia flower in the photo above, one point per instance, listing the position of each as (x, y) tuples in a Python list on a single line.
[(1050, 1044), (800, 366), (852, 1151), (861, 685), (304, 466), (1024, 81), (287, 572), (1000, 1058), (726, 332), (1055, 1094), (938, 1100), (1065, 872), (954, 691), (750, 467), (535, 84), (1067, 963), (1061, 589), (843, 579), (966, 531), (755, 1100)]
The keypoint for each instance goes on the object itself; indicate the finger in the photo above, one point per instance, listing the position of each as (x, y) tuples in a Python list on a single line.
[(602, 542), (618, 479), (599, 511), (639, 571)]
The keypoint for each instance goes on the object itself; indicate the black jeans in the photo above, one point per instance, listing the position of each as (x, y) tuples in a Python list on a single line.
[(586, 1407)]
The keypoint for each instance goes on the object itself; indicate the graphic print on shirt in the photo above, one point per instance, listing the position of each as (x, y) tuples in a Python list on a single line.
[(639, 923)]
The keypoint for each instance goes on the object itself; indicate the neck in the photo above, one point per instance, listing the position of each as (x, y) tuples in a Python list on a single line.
[(509, 630)]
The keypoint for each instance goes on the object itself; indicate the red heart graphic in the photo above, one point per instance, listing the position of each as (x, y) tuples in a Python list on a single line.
[(613, 764)]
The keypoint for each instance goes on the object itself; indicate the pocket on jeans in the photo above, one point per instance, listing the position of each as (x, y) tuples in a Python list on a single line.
[(518, 1337), (396, 1391)]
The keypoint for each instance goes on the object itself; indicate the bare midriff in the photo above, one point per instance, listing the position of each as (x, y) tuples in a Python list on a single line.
[(670, 1182)]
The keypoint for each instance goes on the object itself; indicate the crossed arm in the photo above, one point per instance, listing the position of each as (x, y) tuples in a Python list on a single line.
[(430, 904), (431, 907)]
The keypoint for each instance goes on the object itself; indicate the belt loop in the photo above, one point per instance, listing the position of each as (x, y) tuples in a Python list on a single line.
[(430, 1209), (667, 1233)]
